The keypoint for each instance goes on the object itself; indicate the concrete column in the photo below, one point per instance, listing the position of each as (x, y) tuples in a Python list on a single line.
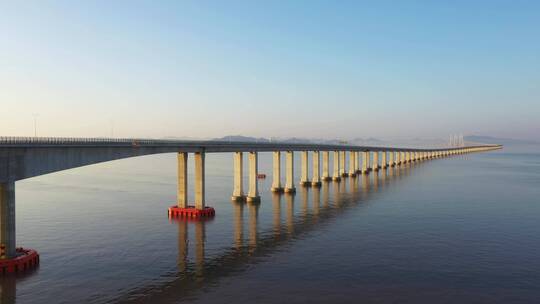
[(253, 192), (357, 166), (398, 158), (326, 166), (384, 162), (289, 172), (336, 176), (304, 178), (199, 180), (276, 175), (182, 191), (343, 164), (352, 163), (403, 157), (238, 191), (7, 220), (365, 162), (316, 181), (375, 165), (391, 161), (408, 157)]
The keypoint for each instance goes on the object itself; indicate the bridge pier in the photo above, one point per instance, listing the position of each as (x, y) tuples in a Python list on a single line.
[(336, 177), (316, 180), (326, 166), (181, 200), (289, 172), (365, 162), (304, 178), (375, 165), (12, 259), (276, 174), (391, 161), (384, 162), (238, 191), (199, 181), (182, 208), (7, 220), (357, 163), (253, 192), (352, 163), (343, 164)]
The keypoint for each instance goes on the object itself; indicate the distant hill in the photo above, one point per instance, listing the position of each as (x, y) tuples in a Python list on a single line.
[(242, 138)]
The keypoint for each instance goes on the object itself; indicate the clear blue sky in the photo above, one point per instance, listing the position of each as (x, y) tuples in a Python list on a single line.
[(270, 68)]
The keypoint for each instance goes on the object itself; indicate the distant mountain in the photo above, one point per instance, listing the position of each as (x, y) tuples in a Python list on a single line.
[(242, 138), (370, 141), (498, 140)]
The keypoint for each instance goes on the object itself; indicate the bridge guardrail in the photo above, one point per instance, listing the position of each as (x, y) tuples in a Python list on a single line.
[(101, 141)]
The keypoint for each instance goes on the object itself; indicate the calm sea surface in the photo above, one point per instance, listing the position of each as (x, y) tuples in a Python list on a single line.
[(461, 229)]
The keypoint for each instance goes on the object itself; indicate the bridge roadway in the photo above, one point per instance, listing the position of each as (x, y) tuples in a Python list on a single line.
[(22, 158)]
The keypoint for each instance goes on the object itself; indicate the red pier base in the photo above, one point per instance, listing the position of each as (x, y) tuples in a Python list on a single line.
[(191, 211), (26, 260)]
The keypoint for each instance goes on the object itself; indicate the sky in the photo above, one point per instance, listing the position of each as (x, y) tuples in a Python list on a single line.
[(316, 69)]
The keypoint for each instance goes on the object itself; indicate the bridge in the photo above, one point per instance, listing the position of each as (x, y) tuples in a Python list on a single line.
[(24, 157)]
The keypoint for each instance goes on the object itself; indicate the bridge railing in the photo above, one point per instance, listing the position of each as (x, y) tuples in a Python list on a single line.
[(77, 140), (104, 141)]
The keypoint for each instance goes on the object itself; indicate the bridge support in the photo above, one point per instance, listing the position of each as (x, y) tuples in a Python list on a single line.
[(357, 169), (383, 160), (365, 162), (12, 259), (343, 164), (238, 192), (253, 192), (182, 180), (316, 181), (336, 177), (304, 178), (276, 174), (199, 181), (7, 220), (326, 166), (391, 161), (375, 161), (289, 174), (352, 163), (199, 209)]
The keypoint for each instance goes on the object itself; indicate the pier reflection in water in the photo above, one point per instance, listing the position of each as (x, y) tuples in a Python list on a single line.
[(194, 273), (325, 206)]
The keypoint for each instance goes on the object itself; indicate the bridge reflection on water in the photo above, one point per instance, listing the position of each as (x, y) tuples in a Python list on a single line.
[(317, 208)]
